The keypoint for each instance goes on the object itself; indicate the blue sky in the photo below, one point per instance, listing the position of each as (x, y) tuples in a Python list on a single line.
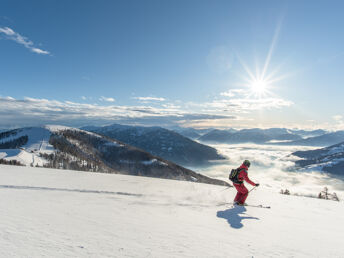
[(159, 62)]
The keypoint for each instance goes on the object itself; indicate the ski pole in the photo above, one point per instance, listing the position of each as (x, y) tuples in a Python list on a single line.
[(252, 189)]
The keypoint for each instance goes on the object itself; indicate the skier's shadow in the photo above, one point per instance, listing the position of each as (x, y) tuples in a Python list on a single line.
[(233, 216)]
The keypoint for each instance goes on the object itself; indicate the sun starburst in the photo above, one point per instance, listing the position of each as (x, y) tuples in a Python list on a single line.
[(261, 82), (259, 87)]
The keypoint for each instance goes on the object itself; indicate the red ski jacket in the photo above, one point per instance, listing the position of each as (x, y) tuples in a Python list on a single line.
[(243, 175)]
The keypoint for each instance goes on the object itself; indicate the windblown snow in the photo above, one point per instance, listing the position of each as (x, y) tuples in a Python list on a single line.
[(59, 213)]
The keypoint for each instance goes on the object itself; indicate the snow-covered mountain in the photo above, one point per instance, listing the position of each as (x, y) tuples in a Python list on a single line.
[(25, 145), (51, 213), (216, 136), (308, 133), (71, 148), (322, 140), (191, 133), (254, 135), (329, 159), (161, 142)]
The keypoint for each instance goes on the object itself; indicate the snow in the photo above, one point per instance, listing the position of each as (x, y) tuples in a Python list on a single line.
[(272, 166), (38, 142), (152, 161), (58, 213), (58, 128), (38, 139), (113, 144), (23, 156), (149, 162), (325, 163), (335, 150), (279, 141), (29, 154)]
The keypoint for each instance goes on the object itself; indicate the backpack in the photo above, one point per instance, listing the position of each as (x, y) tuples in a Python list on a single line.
[(233, 175)]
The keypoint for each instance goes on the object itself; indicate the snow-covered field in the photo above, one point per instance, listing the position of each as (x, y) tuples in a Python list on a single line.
[(59, 213)]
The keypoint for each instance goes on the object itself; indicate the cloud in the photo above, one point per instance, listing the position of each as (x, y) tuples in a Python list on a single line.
[(148, 99), (102, 98), (12, 35), (197, 120), (241, 105), (273, 168), (338, 118), (9, 98), (230, 109), (339, 125), (32, 111), (39, 51), (241, 101), (232, 93)]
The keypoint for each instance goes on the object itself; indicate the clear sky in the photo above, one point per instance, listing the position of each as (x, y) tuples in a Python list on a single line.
[(188, 63)]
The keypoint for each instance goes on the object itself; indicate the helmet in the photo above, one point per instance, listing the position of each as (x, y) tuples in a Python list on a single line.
[(247, 163)]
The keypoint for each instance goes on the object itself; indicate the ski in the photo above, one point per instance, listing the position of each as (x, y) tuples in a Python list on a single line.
[(246, 205), (258, 206)]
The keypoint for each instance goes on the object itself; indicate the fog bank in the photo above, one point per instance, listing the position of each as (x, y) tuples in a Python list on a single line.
[(273, 167)]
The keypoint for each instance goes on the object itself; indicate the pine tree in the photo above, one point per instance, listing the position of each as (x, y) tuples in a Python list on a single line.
[(335, 197)]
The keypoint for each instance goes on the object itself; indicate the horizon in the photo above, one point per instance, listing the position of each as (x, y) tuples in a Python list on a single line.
[(198, 64), (172, 127)]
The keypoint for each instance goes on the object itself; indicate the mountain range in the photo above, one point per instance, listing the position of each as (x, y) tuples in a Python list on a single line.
[(161, 142), (190, 132), (280, 136), (254, 135), (326, 139), (70, 148), (329, 159)]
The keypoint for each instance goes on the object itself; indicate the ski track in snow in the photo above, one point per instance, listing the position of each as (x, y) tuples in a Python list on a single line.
[(58, 213), (19, 187)]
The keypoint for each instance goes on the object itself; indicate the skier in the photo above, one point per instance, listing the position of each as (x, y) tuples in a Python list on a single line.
[(238, 183)]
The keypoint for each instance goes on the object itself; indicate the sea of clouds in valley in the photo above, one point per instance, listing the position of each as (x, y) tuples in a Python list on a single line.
[(273, 167)]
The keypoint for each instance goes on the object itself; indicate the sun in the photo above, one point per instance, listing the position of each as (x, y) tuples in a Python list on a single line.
[(260, 82), (258, 87)]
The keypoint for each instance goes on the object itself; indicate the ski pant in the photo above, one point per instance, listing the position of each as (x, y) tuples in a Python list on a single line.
[(242, 193)]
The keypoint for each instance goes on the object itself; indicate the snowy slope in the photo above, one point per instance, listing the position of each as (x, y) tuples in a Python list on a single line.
[(321, 140), (329, 159), (70, 148), (55, 213), (28, 154), (37, 144), (161, 142)]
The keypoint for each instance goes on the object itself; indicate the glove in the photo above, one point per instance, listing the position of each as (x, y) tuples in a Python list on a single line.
[(257, 184)]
